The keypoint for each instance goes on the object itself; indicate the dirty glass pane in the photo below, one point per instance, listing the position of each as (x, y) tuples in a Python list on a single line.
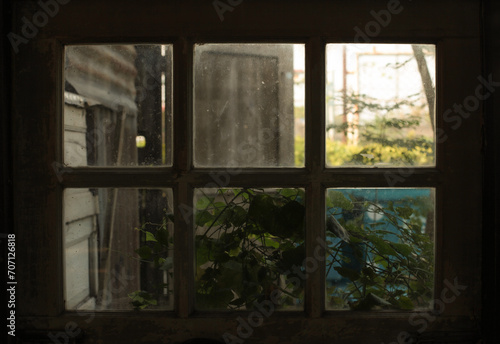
[(118, 105), (380, 248), (380, 105), (249, 105), (249, 249), (118, 249)]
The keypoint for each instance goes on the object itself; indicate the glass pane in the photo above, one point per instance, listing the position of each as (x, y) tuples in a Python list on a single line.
[(118, 249), (380, 105), (118, 105), (249, 105), (249, 248), (380, 248)]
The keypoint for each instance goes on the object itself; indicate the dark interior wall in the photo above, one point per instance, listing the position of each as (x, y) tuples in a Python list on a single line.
[(491, 229), (6, 220), (5, 138), (4, 106)]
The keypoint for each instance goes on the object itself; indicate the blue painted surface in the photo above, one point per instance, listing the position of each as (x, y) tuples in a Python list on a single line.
[(382, 197)]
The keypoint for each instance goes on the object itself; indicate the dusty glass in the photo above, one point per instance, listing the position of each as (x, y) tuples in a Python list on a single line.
[(118, 249), (249, 249), (249, 105), (380, 248), (118, 105)]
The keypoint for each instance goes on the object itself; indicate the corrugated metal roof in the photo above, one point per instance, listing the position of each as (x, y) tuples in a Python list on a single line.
[(103, 74)]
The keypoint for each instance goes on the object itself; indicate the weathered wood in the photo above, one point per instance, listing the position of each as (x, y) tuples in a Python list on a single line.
[(341, 327), (347, 177), (38, 230), (272, 21), (315, 173), (79, 204), (183, 192), (460, 158), (491, 201), (77, 273)]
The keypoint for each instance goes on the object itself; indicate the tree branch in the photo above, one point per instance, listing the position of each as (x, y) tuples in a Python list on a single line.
[(426, 81)]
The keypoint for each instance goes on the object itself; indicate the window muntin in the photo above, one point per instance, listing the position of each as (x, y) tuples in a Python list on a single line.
[(223, 54)]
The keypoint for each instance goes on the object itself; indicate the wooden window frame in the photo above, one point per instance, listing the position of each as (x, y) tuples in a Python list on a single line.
[(38, 186)]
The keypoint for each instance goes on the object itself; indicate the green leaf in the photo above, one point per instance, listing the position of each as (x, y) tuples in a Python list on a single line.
[(301, 194), (404, 212), (163, 237), (202, 252), (260, 205), (144, 252), (369, 272), (405, 303), (339, 200), (245, 195), (238, 216), (404, 249), (289, 193), (203, 217), (381, 245), (294, 256), (203, 202), (150, 236), (220, 205), (329, 203), (234, 252), (270, 242), (353, 275), (354, 240), (142, 299), (262, 210), (221, 257), (289, 220)]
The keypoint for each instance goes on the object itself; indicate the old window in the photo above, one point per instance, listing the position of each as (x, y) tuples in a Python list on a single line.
[(288, 172), (247, 113)]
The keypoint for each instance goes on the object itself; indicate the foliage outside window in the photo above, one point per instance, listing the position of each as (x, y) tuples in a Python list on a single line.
[(250, 242)]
